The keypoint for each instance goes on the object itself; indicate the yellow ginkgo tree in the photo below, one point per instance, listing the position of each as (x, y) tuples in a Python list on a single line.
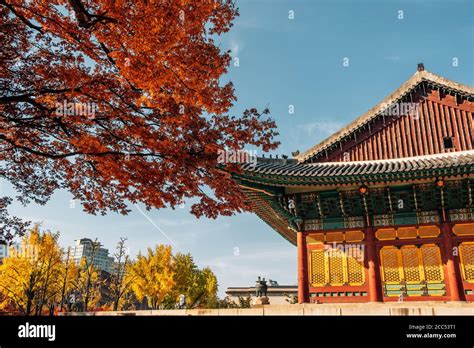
[(87, 285), (198, 285), (29, 275), (161, 278), (153, 275)]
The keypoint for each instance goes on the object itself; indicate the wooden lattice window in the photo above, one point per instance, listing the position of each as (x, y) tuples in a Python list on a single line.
[(337, 267), (318, 273), (411, 264), (431, 257), (355, 266), (392, 273), (467, 260)]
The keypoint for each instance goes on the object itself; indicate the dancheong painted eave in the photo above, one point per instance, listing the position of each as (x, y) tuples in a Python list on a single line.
[(286, 173)]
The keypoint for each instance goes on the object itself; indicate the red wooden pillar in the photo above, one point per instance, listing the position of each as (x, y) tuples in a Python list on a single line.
[(302, 267), (373, 268), (452, 265)]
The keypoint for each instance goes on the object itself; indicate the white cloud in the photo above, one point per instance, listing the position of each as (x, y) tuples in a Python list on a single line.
[(235, 47), (324, 128)]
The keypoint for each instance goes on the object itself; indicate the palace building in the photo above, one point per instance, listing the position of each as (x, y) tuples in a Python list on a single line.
[(383, 209)]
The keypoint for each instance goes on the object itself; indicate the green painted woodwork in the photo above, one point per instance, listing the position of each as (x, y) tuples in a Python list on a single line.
[(407, 204), (330, 224), (405, 218)]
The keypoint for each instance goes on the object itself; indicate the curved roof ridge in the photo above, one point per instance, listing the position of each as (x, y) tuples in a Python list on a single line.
[(418, 77), (400, 159)]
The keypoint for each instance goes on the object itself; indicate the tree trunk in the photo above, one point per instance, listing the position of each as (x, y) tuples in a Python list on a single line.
[(28, 307)]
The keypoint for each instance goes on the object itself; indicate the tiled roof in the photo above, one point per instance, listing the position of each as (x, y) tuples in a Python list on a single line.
[(409, 85), (263, 182), (453, 163)]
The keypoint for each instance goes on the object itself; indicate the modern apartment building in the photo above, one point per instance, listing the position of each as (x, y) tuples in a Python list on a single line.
[(93, 252)]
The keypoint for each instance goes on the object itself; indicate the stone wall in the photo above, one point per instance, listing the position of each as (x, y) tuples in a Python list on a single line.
[(395, 309)]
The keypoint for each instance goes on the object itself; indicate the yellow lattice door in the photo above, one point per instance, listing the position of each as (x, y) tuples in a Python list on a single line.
[(412, 270), (432, 265), (318, 273), (336, 266), (391, 270), (355, 266), (411, 264), (467, 261)]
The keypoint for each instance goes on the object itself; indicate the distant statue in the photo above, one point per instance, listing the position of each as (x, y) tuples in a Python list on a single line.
[(264, 287), (258, 287), (272, 282), (261, 287)]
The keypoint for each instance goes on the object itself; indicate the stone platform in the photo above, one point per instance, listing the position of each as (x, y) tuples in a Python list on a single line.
[(333, 309)]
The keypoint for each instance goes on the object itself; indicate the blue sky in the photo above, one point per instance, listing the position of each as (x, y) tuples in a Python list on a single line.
[(286, 62)]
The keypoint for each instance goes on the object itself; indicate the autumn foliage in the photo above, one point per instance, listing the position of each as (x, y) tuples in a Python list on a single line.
[(33, 278), (40, 278), (159, 278), (120, 101)]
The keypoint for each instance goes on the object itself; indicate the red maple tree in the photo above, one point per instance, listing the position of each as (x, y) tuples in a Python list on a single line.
[(120, 101)]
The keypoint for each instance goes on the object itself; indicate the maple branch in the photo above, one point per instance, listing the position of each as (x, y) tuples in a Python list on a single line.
[(21, 17), (41, 149), (75, 37), (77, 153), (86, 19), (179, 78), (23, 98), (112, 61)]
